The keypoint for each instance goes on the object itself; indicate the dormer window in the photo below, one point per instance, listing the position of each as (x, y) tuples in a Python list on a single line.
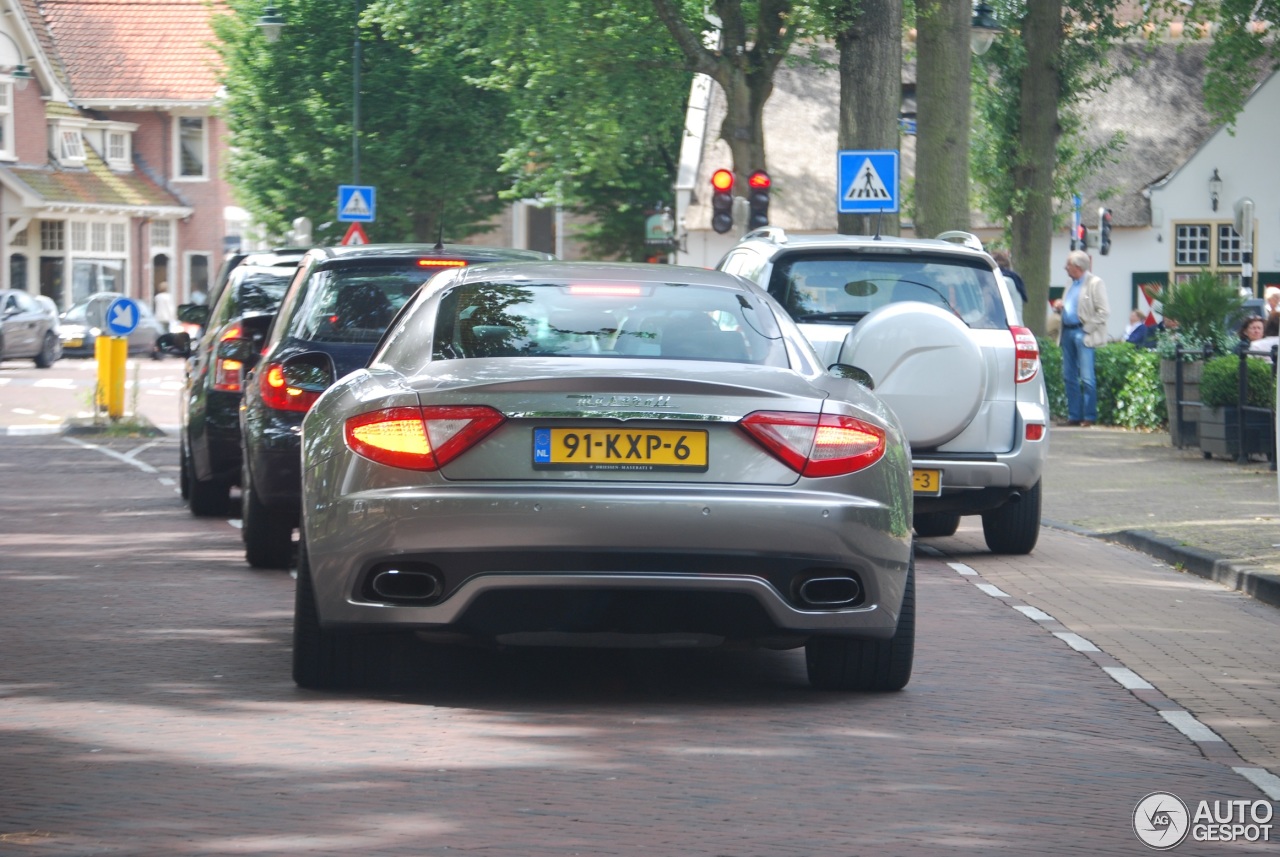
[(71, 147)]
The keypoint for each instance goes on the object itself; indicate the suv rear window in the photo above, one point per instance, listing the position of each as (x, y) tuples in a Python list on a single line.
[(843, 287), (354, 303)]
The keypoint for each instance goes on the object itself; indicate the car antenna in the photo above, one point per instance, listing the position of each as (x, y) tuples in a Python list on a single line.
[(879, 214), (439, 240)]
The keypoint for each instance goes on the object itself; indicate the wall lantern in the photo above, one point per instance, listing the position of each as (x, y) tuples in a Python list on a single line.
[(983, 30), (1215, 188)]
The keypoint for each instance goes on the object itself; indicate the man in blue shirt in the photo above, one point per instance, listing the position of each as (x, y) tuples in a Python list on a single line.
[(1084, 328)]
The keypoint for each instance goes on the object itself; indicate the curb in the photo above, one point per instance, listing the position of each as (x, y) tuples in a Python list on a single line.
[(1255, 581)]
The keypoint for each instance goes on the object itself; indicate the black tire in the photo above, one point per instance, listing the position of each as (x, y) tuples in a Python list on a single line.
[(210, 498), (928, 524), (322, 660), (50, 351), (184, 471), (839, 663), (268, 536), (1014, 528)]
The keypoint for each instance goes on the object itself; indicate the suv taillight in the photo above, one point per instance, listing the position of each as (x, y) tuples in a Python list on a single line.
[(1026, 354), (420, 438), (817, 445), (279, 395)]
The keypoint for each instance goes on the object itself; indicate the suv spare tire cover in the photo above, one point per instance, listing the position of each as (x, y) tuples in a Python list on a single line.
[(925, 365)]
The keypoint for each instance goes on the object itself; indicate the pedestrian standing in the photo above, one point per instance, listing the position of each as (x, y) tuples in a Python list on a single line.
[(1084, 328), (162, 307)]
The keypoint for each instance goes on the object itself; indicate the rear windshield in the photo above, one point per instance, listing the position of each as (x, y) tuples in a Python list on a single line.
[(616, 319), (841, 288), (354, 304)]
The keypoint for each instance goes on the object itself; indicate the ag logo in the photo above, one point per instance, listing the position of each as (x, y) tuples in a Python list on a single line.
[(1161, 821)]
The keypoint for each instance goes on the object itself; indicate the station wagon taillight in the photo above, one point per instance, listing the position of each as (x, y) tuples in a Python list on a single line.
[(277, 394), (817, 445), (1027, 354), (227, 374), (420, 438)]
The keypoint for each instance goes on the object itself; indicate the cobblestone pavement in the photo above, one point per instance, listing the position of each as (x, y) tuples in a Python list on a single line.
[(146, 709)]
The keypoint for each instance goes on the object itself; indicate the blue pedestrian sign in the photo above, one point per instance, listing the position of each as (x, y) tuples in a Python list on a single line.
[(357, 203), (122, 316), (867, 182)]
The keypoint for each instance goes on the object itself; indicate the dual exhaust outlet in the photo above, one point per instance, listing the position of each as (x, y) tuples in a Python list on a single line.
[(836, 590)]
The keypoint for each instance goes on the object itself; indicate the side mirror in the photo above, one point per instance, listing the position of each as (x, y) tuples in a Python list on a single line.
[(193, 314), (174, 343), (853, 373), (312, 372)]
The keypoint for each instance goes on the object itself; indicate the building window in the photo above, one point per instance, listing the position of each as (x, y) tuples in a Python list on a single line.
[(71, 147), (117, 238), (19, 240), (79, 237), (116, 150), (52, 235), (192, 149), (98, 237), (161, 233), (1213, 247), (197, 277), (6, 120)]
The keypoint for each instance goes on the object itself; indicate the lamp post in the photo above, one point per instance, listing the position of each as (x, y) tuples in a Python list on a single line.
[(983, 30)]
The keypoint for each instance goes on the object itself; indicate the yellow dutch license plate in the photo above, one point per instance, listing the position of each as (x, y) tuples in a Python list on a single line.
[(619, 449), (926, 481), (73, 343)]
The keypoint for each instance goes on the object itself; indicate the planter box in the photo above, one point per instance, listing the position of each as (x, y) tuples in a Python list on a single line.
[(1188, 432), (1220, 432)]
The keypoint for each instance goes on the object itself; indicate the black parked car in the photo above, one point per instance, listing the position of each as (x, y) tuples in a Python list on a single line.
[(338, 306), (28, 329), (233, 331)]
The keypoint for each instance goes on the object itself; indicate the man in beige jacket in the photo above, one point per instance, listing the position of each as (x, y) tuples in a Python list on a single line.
[(1084, 328)]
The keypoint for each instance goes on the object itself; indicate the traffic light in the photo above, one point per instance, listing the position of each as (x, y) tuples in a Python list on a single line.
[(1080, 241), (759, 184), (1104, 231), (722, 200)]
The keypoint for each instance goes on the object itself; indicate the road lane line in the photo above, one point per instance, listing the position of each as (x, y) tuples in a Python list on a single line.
[(1128, 679), (1075, 641), (1263, 779), (1034, 613), (1187, 724), (961, 568), (992, 590)]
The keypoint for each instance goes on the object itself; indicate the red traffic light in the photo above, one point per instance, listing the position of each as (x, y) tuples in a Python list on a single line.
[(759, 180), (722, 180)]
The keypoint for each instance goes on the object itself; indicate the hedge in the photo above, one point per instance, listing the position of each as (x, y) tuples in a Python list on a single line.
[(1130, 393)]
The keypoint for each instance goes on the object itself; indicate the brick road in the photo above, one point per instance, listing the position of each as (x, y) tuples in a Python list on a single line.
[(146, 709)]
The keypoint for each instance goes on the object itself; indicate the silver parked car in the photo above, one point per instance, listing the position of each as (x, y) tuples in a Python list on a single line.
[(933, 325), (28, 328), (601, 454)]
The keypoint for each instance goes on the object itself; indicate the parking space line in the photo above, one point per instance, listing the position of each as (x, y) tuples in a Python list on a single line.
[(1128, 679), (1186, 723), (1263, 779), (141, 465), (992, 590), (1035, 614)]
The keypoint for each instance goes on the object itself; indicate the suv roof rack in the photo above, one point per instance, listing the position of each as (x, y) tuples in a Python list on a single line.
[(776, 234), (959, 236)]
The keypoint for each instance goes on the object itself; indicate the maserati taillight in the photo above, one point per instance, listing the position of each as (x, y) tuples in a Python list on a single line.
[(817, 445), (420, 438)]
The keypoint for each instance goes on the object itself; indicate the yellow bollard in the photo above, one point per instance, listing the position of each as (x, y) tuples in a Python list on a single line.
[(102, 354), (119, 361)]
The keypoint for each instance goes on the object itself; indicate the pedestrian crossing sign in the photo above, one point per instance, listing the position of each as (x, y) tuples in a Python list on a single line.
[(867, 182), (356, 203)]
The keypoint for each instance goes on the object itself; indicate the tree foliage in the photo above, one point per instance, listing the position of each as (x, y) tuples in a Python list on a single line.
[(429, 140), (1244, 41)]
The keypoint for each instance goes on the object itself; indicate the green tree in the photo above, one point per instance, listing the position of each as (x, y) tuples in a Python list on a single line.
[(430, 141), (1243, 43), (942, 124), (596, 96)]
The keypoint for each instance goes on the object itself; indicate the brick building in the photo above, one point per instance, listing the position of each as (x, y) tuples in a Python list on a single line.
[(110, 148)]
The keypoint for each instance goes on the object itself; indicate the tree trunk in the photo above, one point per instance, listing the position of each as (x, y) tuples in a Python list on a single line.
[(942, 135), (870, 93), (1032, 226)]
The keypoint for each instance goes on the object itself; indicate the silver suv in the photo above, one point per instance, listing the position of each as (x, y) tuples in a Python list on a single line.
[(930, 324)]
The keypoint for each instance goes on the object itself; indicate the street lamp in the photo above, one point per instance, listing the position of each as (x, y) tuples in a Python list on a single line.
[(1215, 188), (272, 22), (983, 30)]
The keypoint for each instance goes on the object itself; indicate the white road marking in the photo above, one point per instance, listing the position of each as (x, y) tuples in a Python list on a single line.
[(992, 590), (1185, 723), (1034, 613), (26, 412), (1075, 641), (1263, 779), (23, 431), (60, 383), (165, 480), (961, 568), (141, 465), (1128, 679), (236, 522)]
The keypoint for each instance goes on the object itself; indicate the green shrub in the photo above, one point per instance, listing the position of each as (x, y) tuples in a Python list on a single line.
[(1220, 382), (1051, 366), (1130, 393), (1202, 310)]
